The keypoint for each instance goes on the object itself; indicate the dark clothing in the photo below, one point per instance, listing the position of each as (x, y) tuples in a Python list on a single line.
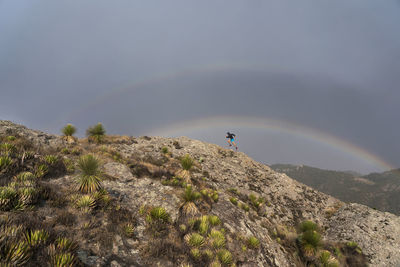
[(230, 136)]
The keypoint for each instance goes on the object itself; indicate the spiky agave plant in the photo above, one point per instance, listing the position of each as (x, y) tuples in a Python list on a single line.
[(204, 225), (217, 239), (310, 241), (158, 215), (34, 238), (214, 220), (90, 178), (96, 132), (86, 203), (225, 256), (27, 195), (187, 164), (68, 130), (51, 159), (5, 161), (7, 148), (66, 245), (327, 260), (129, 229), (194, 240), (189, 198), (15, 253), (25, 176), (253, 242), (61, 258), (8, 196)]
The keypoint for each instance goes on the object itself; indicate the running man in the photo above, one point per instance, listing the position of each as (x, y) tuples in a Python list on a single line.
[(231, 139)]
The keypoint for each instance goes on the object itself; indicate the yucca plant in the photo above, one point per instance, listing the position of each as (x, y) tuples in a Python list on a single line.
[(96, 132), (63, 259), (68, 130), (5, 161), (327, 260), (37, 237), (25, 176), (158, 214), (308, 226), (233, 200), (51, 159), (7, 148), (11, 138), (16, 253), (310, 242), (129, 229), (27, 195), (215, 263), (90, 178), (208, 254), (8, 196), (66, 244), (204, 225), (187, 164), (256, 202), (194, 240), (41, 170), (195, 253), (253, 242), (86, 203), (217, 239), (225, 256), (164, 150), (214, 220), (189, 197)]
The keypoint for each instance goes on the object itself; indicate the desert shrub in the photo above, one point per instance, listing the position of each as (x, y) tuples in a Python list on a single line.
[(233, 200), (327, 260), (68, 130), (217, 239), (129, 229), (308, 226), (214, 220), (244, 207), (195, 253), (310, 241), (96, 132), (187, 162), (11, 138), (5, 161), (189, 197), (7, 148), (225, 256), (37, 237), (51, 159), (15, 253), (8, 196), (256, 202), (215, 263), (90, 178), (41, 170), (85, 203), (158, 214), (164, 150), (194, 240), (65, 244), (27, 195), (25, 176), (253, 242), (204, 225)]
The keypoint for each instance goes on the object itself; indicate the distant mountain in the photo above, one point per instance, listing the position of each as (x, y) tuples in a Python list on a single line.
[(377, 190)]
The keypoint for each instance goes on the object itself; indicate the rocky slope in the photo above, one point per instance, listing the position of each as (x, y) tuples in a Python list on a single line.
[(251, 201)]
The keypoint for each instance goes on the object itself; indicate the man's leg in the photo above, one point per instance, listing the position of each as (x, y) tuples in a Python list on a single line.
[(235, 145)]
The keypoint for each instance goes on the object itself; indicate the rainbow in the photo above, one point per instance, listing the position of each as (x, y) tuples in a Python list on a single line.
[(314, 135)]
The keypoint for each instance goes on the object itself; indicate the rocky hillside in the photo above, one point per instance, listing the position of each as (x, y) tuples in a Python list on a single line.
[(153, 201), (377, 190)]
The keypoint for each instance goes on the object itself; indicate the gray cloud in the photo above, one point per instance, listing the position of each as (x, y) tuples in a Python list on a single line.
[(333, 66)]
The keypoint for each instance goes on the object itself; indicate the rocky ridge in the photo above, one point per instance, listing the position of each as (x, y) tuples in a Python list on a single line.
[(137, 176)]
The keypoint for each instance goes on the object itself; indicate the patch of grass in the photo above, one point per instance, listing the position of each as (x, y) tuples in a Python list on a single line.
[(96, 132), (90, 178), (69, 165), (7, 148), (204, 225), (158, 214), (25, 176), (11, 138), (68, 130), (129, 229), (327, 260), (256, 202), (244, 207), (195, 253), (65, 244), (164, 150), (8, 196), (15, 253)]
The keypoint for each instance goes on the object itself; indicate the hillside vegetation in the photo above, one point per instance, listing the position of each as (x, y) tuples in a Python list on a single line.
[(153, 201)]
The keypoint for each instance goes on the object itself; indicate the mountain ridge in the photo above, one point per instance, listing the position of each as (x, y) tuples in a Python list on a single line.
[(258, 211)]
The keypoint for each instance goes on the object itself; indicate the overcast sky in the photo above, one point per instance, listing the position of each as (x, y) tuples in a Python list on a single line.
[(139, 66)]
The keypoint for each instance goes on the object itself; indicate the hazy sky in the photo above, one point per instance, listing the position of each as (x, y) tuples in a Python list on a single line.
[(332, 67)]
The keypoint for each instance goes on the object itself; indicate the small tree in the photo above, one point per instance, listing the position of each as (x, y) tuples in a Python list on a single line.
[(96, 132), (68, 130), (90, 178)]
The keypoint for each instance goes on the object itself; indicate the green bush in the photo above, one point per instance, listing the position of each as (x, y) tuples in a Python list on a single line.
[(15, 253), (225, 256), (310, 242), (187, 162), (194, 240), (7, 148), (204, 225), (41, 170), (195, 253), (164, 150), (214, 220), (11, 138), (51, 159), (96, 132), (253, 242), (86, 203), (234, 201), (68, 130), (37, 237), (25, 176), (8, 196), (90, 178), (158, 214), (308, 226), (5, 161), (129, 229), (217, 239)]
